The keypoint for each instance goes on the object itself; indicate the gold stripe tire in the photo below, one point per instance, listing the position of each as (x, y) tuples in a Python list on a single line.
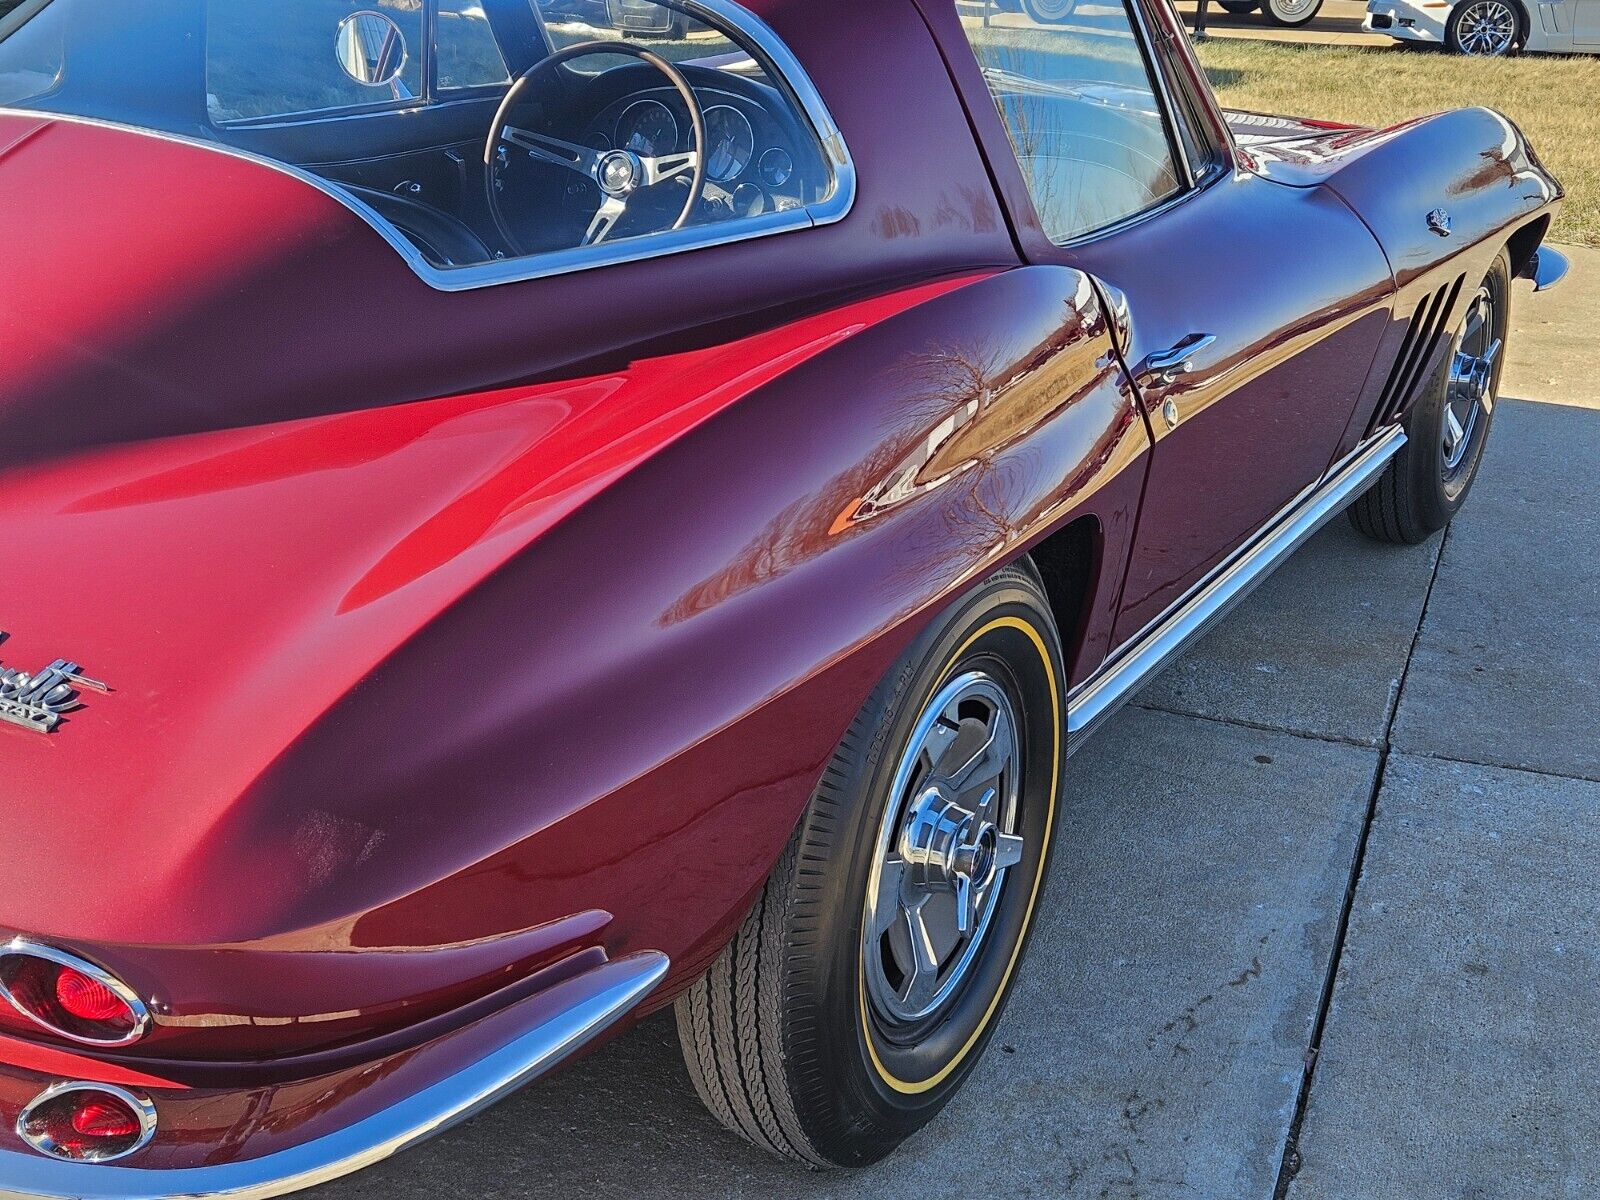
[(779, 1037)]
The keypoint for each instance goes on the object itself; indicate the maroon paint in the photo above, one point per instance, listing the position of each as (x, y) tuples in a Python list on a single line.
[(460, 638)]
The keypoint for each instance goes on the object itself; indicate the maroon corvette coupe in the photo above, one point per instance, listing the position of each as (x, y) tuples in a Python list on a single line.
[(517, 513)]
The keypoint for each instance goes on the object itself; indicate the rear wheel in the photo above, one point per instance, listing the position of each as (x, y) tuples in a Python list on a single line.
[(1447, 429), (1291, 13), (867, 980), (1239, 7), (1050, 12), (1484, 28)]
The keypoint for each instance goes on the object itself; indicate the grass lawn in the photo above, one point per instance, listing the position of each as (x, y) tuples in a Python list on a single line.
[(1555, 100)]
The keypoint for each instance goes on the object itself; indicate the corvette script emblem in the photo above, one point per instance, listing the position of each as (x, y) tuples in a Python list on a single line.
[(37, 701)]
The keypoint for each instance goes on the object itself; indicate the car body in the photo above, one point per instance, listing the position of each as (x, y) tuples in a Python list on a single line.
[(444, 637), (1565, 27)]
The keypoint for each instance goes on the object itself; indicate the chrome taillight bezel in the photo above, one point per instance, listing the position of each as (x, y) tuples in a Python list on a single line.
[(142, 1108), (24, 948)]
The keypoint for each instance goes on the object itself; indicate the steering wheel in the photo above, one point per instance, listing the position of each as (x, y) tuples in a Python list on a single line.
[(619, 174)]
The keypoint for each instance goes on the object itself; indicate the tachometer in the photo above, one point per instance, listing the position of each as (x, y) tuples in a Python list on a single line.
[(730, 143), (648, 128)]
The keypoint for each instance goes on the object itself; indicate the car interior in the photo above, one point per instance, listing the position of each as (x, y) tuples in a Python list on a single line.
[(482, 130)]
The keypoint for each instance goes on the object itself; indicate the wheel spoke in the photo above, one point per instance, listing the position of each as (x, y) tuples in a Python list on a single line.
[(1453, 430), (990, 758), (611, 210), (1009, 851), (922, 977), (939, 740), (886, 907), (585, 160), (669, 166)]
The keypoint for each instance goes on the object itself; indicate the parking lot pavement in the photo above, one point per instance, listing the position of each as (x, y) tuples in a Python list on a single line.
[(1458, 1059), (1349, 715), (1507, 669), (1154, 1044)]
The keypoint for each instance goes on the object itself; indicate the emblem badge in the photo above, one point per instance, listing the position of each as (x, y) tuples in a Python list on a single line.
[(1439, 222), (37, 701)]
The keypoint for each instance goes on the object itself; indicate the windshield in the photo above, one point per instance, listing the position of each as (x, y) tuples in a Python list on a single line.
[(479, 131)]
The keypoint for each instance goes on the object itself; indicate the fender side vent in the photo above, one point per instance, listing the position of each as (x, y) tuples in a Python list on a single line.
[(1423, 335)]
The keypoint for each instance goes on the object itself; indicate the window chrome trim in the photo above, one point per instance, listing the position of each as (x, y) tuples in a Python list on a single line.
[(792, 78)]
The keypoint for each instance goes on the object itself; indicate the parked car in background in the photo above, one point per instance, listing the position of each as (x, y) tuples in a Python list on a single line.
[(507, 529), (1491, 28), (1291, 14)]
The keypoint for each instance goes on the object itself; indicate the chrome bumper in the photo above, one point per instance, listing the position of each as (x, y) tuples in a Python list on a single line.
[(1547, 268), (564, 1018)]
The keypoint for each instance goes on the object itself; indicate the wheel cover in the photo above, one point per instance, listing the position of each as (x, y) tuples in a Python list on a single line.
[(1291, 9), (944, 850), (1487, 28), (1470, 395)]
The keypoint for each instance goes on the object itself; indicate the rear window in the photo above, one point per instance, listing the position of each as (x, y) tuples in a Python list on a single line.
[(485, 139)]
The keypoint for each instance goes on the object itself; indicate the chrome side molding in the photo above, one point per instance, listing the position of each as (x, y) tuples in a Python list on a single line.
[(569, 1015), (1547, 268), (1136, 663)]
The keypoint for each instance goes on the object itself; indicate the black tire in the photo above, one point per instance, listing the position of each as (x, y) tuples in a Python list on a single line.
[(1239, 7), (1291, 14), (1420, 492), (1050, 12), (1460, 36), (780, 1038)]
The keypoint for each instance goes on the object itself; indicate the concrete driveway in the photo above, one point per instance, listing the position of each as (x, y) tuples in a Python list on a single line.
[(1324, 913)]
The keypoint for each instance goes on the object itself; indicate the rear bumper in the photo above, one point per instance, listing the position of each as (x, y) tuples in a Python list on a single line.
[(364, 1115)]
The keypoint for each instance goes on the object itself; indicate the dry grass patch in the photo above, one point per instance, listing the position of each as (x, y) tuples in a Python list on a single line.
[(1555, 100)]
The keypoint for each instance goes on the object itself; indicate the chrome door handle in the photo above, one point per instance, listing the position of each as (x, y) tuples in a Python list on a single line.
[(1168, 366)]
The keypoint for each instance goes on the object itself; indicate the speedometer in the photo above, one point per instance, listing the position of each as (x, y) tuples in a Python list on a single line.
[(730, 143), (648, 128)]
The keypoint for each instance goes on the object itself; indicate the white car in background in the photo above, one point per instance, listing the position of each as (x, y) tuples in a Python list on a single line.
[(1491, 28)]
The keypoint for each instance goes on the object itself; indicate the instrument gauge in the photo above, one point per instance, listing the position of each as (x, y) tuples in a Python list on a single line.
[(648, 127), (730, 143), (776, 168)]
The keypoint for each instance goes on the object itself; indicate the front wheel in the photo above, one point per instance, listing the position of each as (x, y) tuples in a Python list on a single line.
[(865, 983), (1291, 13), (1447, 429), (1239, 7), (1484, 28)]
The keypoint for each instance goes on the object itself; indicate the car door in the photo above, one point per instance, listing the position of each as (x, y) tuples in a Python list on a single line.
[(1254, 309), (1585, 22)]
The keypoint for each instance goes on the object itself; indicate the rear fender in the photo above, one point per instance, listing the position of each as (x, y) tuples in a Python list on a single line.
[(630, 715)]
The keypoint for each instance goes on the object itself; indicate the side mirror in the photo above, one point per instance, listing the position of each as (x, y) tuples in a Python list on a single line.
[(371, 49)]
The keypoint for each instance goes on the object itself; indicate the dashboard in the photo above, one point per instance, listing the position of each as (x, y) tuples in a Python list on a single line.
[(753, 159)]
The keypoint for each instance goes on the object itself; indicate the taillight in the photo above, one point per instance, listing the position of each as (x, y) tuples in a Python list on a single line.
[(70, 997), (87, 1122)]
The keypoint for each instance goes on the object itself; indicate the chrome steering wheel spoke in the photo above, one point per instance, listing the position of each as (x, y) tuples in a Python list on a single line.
[(585, 160), (664, 167), (611, 210)]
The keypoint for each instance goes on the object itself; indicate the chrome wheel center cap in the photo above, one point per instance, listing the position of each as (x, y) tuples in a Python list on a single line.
[(950, 848), (620, 173)]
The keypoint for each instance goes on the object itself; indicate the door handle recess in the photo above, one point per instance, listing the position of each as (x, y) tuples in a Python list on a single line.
[(1168, 366)]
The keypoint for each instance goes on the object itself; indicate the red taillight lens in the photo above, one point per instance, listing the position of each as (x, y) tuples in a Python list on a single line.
[(79, 1002), (87, 1122), (90, 1000)]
